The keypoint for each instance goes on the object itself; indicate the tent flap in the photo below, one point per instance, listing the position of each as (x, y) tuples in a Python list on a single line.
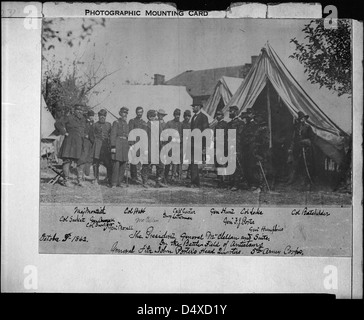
[(270, 67)]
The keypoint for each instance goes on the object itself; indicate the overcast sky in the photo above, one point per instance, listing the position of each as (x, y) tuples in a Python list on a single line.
[(142, 47)]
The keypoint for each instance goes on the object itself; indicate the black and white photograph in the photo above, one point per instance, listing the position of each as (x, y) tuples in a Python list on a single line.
[(181, 136), (279, 84), (227, 142)]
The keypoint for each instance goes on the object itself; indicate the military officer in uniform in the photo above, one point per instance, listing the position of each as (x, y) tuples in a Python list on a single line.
[(222, 125), (161, 179), (101, 146), (260, 155), (301, 150), (136, 123), (175, 124), (147, 168), (86, 157), (236, 123), (119, 147), (186, 125), (201, 122), (248, 148), (73, 128)]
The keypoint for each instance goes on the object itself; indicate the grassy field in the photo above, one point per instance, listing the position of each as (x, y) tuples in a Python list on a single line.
[(179, 193)]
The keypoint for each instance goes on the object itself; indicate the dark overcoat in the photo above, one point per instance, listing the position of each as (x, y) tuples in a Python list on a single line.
[(119, 140), (87, 144), (72, 143), (221, 125), (101, 136), (199, 121)]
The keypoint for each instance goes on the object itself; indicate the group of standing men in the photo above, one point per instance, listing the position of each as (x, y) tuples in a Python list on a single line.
[(251, 143), (255, 151), (88, 143)]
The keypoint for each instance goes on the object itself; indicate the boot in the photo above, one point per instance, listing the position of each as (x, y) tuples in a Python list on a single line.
[(87, 169), (145, 184), (66, 183), (174, 172), (66, 172), (96, 174), (159, 184), (80, 177)]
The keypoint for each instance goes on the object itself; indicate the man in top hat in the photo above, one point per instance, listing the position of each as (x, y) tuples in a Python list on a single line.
[(301, 152), (136, 123), (161, 179), (260, 166), (147, 167), (236, 124), (161, 114), (86, 156), (186, 125), (101, 146), (73, 128), (175, 124), (201, 122), (220, 125), (119, 147)]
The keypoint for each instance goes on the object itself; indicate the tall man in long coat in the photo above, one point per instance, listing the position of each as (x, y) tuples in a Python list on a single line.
[(201, 122), (186, 125), (136, 123), (236, 123), (73, 128), (86, 158), (101, 146), (220, 125), (161, 180), (176, 125), (302, 150), (119, 147), (147, 167)]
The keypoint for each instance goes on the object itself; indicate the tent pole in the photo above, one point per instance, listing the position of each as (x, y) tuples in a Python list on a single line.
[(269, 115)]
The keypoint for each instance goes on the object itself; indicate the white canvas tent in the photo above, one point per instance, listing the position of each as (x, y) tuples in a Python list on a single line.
[(148, 96), (50, 141), (47, 122), (224, 90), (269, 69)]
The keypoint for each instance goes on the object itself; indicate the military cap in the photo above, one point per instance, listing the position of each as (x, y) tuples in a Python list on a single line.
[(219, 111), (90, 113), (187, 113), (123, 109), (196, 104), (162, 112), (139, 108), (151, 113), (249, 110), (234, 108), (302, 115), (102, 112), (244, 115), (177, 111), (260, 119)]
